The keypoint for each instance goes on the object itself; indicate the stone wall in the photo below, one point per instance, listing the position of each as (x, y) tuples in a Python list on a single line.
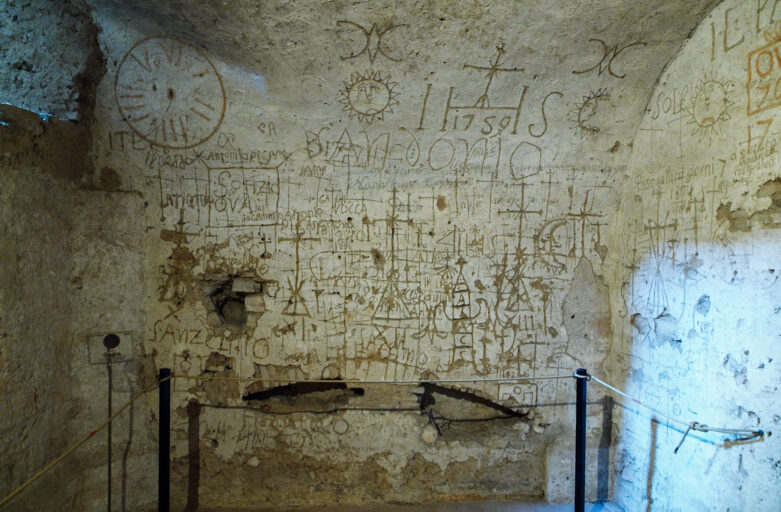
[(35, 219), (271, 193), (46, 45), (366, 192), (35, 223), (68, 244), (695, 290)]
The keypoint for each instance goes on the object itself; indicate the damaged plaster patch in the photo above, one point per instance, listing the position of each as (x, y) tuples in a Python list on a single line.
[(703, 305), (738, 218), (737, 369), (770, 217), (218, 362), (666, 330), (640, 323), (215, 391), (585, 313)]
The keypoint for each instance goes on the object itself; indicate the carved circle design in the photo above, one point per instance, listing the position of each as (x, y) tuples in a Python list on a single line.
[(169, 93)]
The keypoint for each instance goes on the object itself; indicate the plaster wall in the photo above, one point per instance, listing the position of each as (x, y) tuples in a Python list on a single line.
[(378, 193), (35, 223), (360, 191), (68, 250), (695, 294), (34, 318)]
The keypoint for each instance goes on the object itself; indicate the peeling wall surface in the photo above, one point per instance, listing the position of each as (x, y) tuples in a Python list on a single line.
[(696, 297), (273, 192)]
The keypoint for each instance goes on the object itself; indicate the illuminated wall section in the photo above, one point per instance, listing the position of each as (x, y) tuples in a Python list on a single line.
[(698, 301)]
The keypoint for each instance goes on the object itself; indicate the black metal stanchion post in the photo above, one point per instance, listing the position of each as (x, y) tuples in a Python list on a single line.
[(108, 464), (164, 451), (580, 439), (110, 341)]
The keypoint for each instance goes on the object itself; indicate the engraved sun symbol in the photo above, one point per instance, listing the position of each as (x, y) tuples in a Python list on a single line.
[(368, 96), (586, 117), (709, 108)]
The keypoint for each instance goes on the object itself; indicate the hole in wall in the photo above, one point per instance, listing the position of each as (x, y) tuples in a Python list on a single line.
[(228, 298)]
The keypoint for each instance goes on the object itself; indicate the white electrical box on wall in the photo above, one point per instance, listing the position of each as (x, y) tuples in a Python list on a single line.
[(99, 354)]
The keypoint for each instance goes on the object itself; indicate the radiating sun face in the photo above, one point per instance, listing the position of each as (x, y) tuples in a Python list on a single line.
[(709, 108), (368, 96)]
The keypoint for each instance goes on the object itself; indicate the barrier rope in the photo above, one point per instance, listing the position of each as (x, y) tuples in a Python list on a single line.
[(378, 381), (103, 425), (745, 434), (70, 450)]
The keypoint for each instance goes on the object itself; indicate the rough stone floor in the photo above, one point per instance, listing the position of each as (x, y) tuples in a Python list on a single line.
[(454, 507)]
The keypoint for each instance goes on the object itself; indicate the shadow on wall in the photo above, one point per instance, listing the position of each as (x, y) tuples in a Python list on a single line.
[(603, 453), (652, 459)]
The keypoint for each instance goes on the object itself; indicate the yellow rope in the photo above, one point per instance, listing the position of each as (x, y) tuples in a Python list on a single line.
[(244, 379), (70, 450)]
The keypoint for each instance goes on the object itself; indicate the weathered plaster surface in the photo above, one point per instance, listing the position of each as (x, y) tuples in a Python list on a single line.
[(34, 357), (280, 191), (44, 54), (68, 244), (695, 294), (360, 196)]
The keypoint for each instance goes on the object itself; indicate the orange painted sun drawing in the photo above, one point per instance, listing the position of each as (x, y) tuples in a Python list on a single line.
[(368, 96)]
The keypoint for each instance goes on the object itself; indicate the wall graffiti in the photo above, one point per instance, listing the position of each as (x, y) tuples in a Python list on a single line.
[(170, 93), (379, 249), (710, 107), (587, 114), (374, 45), (609, 55), (491, 120), (368, 96), (387, 284)]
